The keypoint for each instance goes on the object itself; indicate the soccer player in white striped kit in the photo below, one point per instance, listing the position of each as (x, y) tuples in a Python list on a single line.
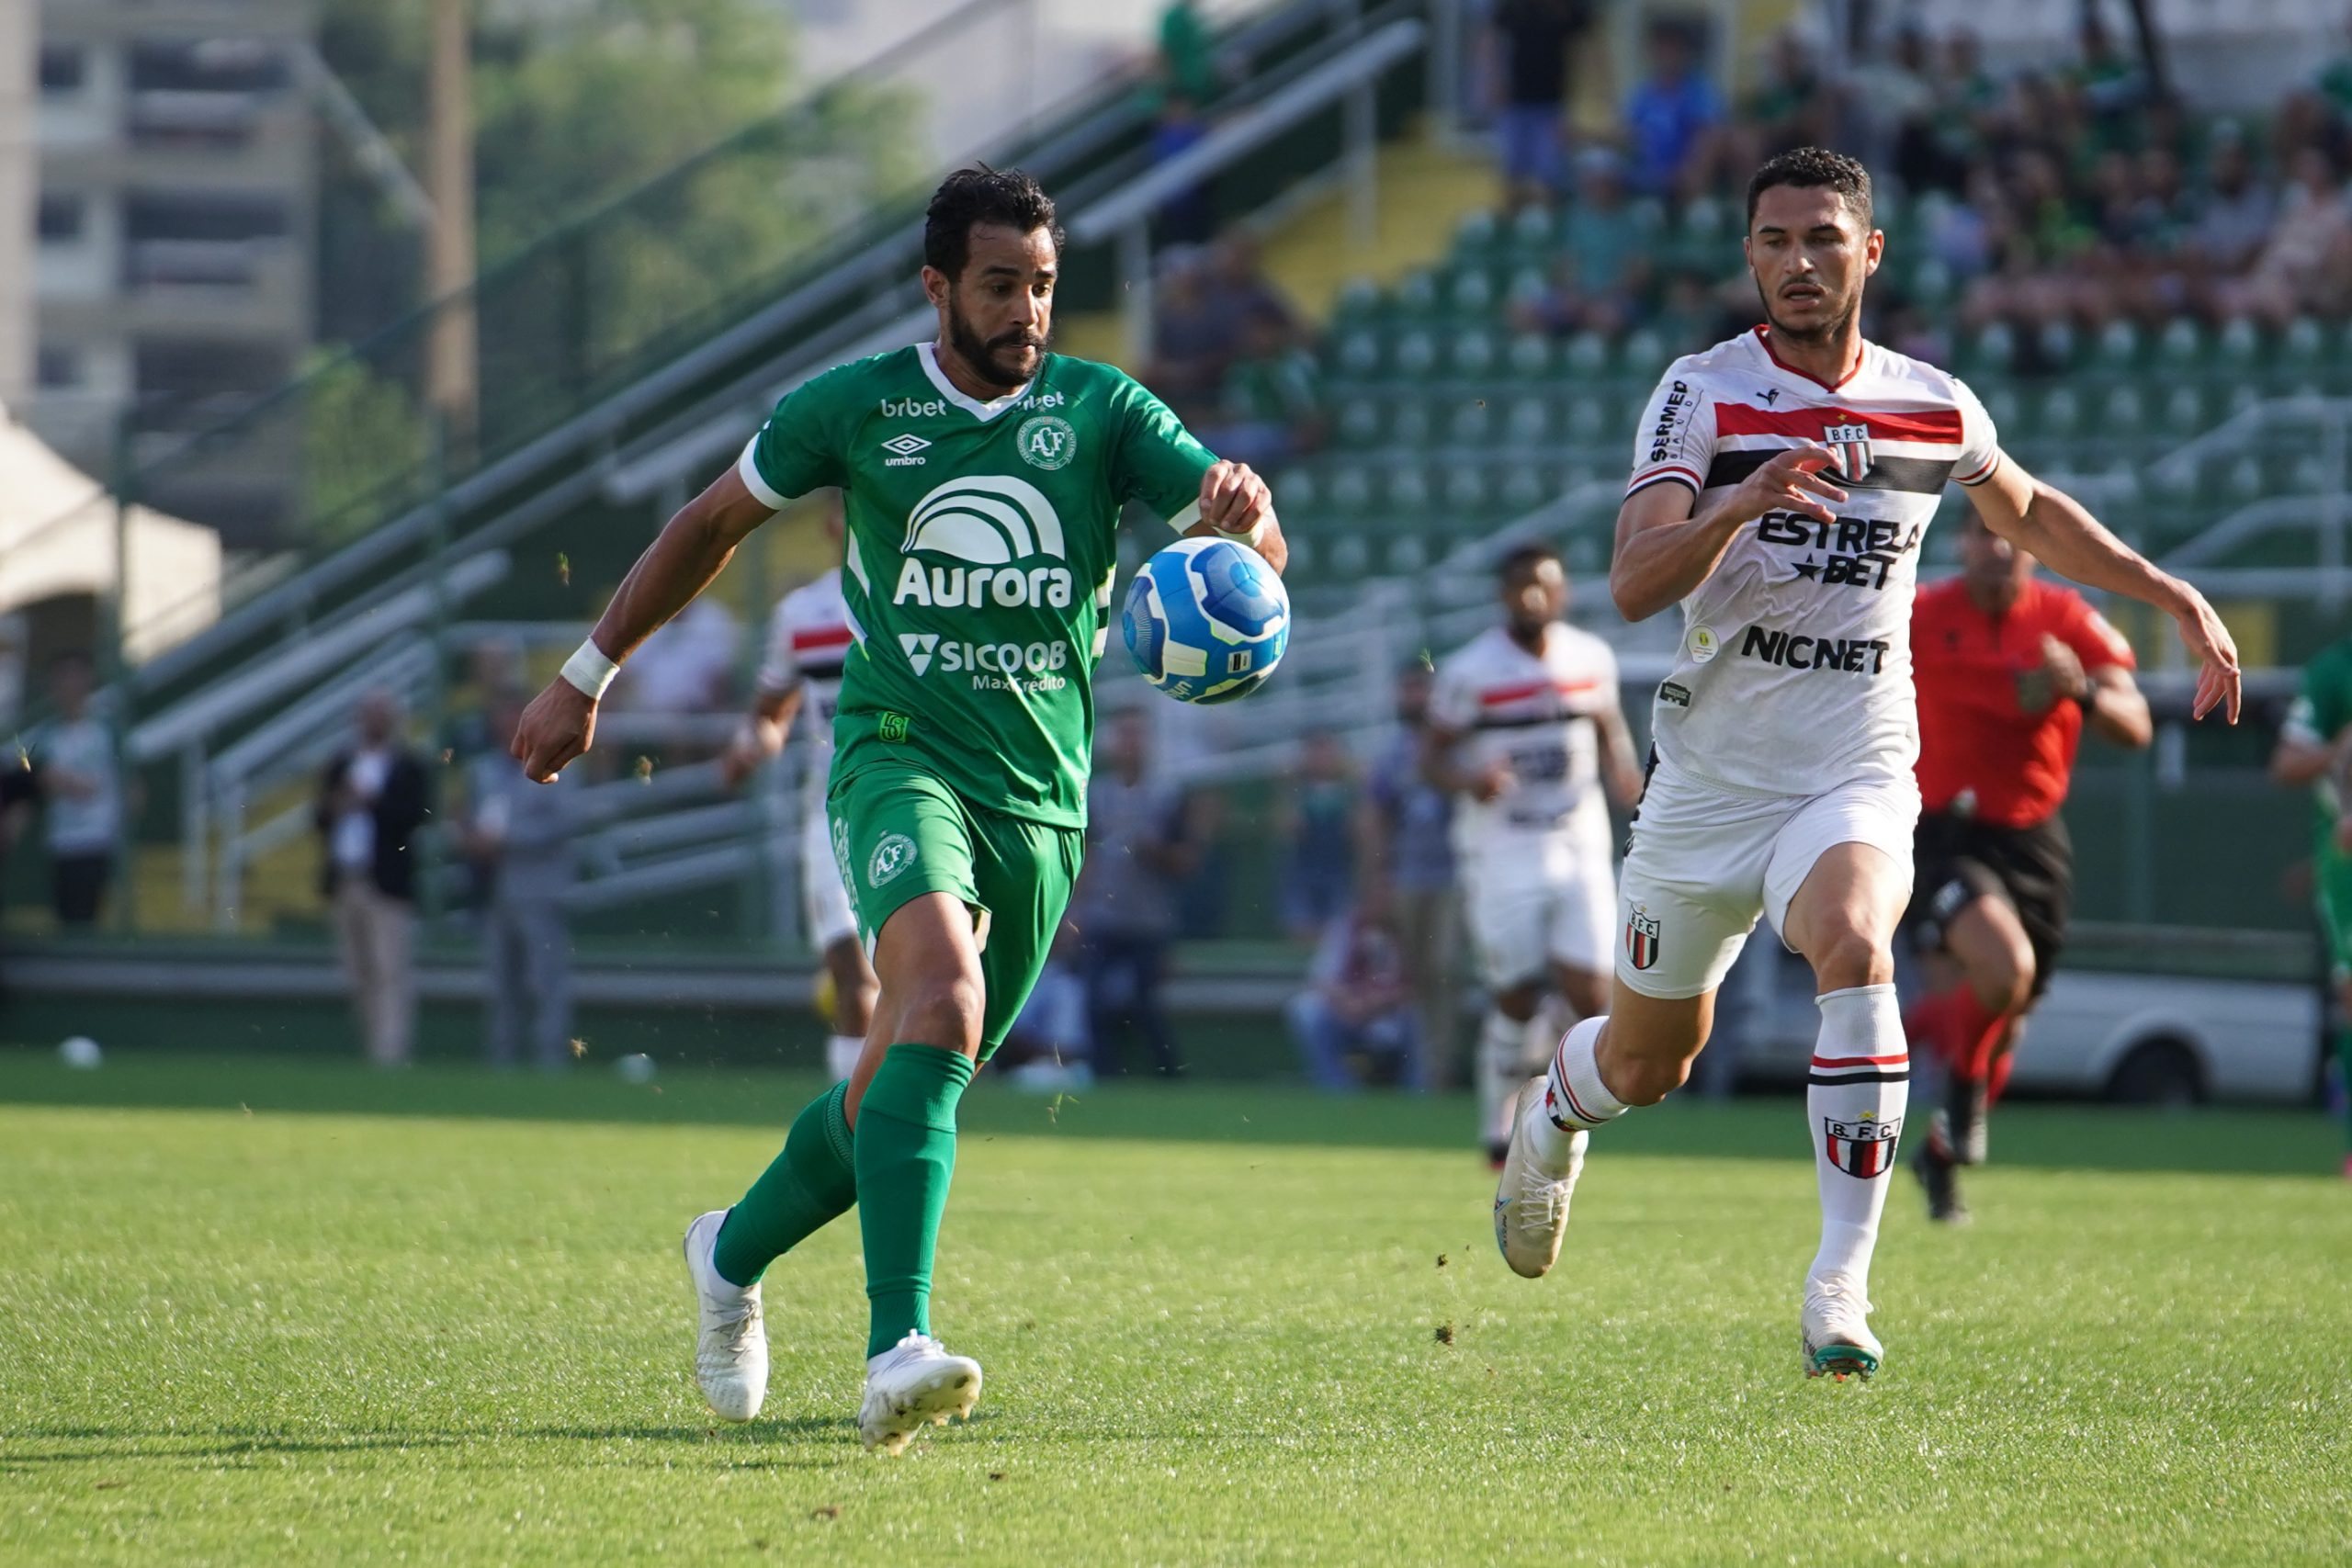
[(808, 641), (1783, 481)]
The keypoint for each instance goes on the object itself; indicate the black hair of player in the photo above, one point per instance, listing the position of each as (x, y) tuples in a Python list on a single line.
[(982, 195), (1814, 168), (1526, 558)]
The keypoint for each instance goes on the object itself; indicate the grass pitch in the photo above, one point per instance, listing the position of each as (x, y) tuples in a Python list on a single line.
[(254, 1311)]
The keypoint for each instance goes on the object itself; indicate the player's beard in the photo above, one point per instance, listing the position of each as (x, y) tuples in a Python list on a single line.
[(993, 357), (1828, 331)]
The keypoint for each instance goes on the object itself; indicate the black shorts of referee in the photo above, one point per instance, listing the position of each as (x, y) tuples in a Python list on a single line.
[(1957, 860)]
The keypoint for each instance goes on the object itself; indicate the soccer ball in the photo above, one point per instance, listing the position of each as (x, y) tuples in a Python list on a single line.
[(1207, 620)]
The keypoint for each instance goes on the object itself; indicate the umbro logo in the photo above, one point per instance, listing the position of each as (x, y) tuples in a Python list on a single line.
[(916, 646), (903, 449)]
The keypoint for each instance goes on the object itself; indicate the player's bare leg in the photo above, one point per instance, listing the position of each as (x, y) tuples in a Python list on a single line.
[(1507, 1056), (1842, 919), (920, 1054)]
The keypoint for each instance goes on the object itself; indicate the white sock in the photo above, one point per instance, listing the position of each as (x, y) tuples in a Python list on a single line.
[(842, 1052), (1503, 1067), (1856, 1094), (1575, 1100)]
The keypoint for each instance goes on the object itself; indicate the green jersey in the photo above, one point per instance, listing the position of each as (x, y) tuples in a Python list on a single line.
[(978, 559), (2320, 711)]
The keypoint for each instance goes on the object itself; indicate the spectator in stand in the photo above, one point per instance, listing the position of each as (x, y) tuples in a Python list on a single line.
[(687, 666), (1794, 104), (519, 838), (1050, 1046), (1672, 117), (1408, 869), (1358, 1003), (1139, 846), (1603, 273), (1235, 286), (372, 799), (1192, 342), (2238, 209), (2306, 265), (1317, 821), (1189, 215), (80, 785), (1187, 53), (1271, 409), (1533, 38)]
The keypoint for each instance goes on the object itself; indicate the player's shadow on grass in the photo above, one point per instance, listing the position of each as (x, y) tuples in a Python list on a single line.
[(2096, 1137), (101, 1444)]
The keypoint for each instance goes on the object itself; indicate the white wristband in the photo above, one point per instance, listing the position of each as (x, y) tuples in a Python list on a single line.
[(1249, 535), (589, 670)]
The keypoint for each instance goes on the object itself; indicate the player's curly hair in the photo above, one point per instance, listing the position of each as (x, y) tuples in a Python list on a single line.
[(982, 195), (1814, 168)]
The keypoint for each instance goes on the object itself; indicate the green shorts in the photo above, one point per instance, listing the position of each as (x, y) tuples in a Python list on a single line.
[(2334, 877), (899, 832)]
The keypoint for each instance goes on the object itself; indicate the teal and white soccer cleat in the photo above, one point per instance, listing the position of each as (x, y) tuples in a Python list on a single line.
[(731, 1343), (914, 1384), (1531, 1198), (1837, 1336)]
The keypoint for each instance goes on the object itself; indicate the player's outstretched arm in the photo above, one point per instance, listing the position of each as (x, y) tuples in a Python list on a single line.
[(561, 723), (1236, 501), (2063, 535), (1665, 549)]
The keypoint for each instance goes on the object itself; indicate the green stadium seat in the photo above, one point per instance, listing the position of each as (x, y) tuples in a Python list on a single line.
[(1300, 491), (1405, 492), (1348, 554), (1472, 424), (1524, 489), (2184, 411), (1417, 294), (1359, 298), (2000, 401), (1586, 354), (1351, 490), (1360, 420), (2302, 344), (1405, 556), (1992, 349), (2243, 396), (2059, 413), (1409, 425), (1588, 420), (1529, 284), (1356, 351), (1415, 353), (1465, 491), (1473, 353), (1476, 235), (2126, 413), (1931, 281), (2237, 345), (2059, 345), (1643, 355), (1472, 293), (1530, 421), (2118, 346), (1703, 219), (2180, 342), (1530, 355)]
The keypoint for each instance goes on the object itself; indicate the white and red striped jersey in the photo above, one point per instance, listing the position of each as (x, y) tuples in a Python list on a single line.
[(809, 641), (1534, 712), (1794, 675)]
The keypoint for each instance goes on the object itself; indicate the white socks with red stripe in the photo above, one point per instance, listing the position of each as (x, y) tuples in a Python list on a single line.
[(1854, 1101), (1575, 1100)]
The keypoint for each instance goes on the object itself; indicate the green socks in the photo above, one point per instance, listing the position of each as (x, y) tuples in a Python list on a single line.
[(813, 1182), (905, 1155)]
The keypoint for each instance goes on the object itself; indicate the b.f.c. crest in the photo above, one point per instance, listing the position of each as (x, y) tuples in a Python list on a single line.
[(1849, 448), (1640, 940), (1863, 1149)]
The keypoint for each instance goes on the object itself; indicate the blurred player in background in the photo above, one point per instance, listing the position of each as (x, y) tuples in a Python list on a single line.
[(982, 483), (1524, 726), (1783, 481), (809, 639), (2315, 750), (2010, 671)]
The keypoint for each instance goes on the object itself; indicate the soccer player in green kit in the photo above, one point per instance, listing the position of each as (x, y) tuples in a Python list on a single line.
[(2315, 748), (983, 480)]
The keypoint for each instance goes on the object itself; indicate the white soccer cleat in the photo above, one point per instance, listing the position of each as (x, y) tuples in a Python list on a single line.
[(1836, 1335), (914, 1384), (731, 1347), (1532, 1199)]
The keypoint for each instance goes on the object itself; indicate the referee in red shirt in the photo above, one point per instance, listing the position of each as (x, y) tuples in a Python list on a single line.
[(2011, 668)]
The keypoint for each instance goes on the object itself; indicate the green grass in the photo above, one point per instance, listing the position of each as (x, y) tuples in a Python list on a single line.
[(259, 1311)]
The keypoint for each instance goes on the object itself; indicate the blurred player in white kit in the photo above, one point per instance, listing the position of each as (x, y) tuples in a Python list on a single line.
[(800, 670), (1782, 483), (1524, 728)]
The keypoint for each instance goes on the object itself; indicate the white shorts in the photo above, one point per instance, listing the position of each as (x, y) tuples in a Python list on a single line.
[(1705, 861), (1541, 909), (824, 902)]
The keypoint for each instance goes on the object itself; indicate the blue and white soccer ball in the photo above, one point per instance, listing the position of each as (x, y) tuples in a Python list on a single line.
[(1207, 620)]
